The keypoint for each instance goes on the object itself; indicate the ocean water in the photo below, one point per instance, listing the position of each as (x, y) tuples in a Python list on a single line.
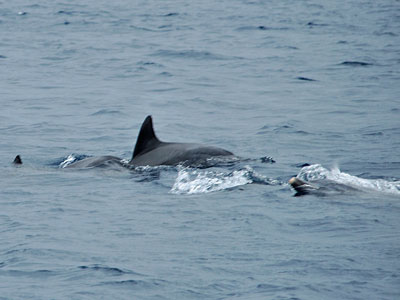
[(306, 88)]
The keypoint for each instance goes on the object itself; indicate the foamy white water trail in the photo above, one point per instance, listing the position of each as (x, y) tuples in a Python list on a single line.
[(194, 181), (318, 172), (200, 181)]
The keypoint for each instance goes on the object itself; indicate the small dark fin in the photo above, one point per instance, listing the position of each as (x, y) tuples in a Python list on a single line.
[(147, 139), (17, 160)]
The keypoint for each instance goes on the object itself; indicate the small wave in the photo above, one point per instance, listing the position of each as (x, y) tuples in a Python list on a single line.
[(172, 14), (107, 269), (191, 54), (305, 78), (261, 27), (312, 24), (388, 33), (42, 274), (149, 63), (355, 64), (317, 172), (192, 181), (64, 12), (129, 282), (106, 112), (134, 283)]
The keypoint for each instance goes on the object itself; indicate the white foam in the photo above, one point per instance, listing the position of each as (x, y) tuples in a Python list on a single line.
[(318, 172), (69, 160), (191, 181)]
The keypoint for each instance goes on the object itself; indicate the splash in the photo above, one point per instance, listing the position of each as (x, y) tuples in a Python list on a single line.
[(194, 181), (69, 160), (317, 172)]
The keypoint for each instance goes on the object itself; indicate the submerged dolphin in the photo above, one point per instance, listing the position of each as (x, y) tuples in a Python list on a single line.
[(323, 187), (150, 151)]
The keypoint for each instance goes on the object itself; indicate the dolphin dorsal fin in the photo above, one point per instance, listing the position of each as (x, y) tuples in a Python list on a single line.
[(147, 139), (17, 160)]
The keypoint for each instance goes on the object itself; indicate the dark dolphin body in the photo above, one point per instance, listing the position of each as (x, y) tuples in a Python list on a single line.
[(150, 151), (17, 160), (322, 188)]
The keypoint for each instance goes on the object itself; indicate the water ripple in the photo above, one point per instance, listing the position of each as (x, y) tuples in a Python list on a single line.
[(190, 54)]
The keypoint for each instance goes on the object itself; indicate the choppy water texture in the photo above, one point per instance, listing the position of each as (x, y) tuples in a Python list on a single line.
[(301, 82)]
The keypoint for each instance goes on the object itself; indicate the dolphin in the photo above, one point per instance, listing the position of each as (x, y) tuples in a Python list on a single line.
[(150, 151), (320, 188), (17, 160)]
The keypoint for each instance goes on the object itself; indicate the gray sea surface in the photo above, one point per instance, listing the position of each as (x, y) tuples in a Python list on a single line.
[(295, 88)]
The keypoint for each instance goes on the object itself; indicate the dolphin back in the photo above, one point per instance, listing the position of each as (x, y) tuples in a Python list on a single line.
[(149, 150)]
